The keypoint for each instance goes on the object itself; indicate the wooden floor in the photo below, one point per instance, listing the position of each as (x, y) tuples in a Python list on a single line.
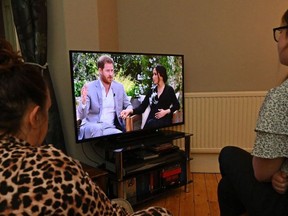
[(201, 199)]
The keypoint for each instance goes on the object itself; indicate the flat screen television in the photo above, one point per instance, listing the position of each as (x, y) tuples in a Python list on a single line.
[(134, 71)]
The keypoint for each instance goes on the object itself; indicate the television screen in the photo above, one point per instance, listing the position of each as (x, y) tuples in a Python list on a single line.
[(148, 87)]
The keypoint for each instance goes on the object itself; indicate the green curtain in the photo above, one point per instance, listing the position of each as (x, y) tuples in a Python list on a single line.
[(30, 18)]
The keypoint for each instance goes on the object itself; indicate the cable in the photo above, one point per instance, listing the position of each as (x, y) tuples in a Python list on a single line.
[(89, 157)]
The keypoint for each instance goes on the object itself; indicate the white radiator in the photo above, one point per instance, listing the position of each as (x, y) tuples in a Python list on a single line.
[(217, 119)]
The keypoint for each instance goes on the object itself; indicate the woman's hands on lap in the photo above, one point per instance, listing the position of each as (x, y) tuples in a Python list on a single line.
[(280, 182)]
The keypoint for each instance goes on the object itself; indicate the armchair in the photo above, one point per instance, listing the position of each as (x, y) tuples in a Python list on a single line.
[(136, 122)]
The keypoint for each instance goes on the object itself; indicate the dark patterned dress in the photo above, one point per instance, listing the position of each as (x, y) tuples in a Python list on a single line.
[(272, 126), (167, 100)]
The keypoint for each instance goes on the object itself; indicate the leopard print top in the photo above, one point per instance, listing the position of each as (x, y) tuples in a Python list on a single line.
[(272, 126), (44, 181)]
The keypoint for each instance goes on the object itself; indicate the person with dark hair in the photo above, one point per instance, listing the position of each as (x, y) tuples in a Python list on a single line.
[(102, 101), (38, 179), (161, 99), (256, 184)]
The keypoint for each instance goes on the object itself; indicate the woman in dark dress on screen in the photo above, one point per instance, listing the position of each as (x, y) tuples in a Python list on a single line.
[(162, 100)]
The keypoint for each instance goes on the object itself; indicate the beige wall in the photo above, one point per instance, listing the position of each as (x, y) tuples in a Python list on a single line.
[(228, 45), (74, 25)]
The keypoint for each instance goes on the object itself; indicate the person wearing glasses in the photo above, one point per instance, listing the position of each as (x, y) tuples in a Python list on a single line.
[(256, 184)]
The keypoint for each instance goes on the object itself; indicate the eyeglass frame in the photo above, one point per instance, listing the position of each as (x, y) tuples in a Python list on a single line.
[(278, 29)]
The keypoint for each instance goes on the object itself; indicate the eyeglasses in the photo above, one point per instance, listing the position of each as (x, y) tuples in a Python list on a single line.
[(277, 31)]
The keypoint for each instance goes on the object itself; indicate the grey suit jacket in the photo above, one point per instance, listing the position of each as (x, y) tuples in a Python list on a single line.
[(93, 109)]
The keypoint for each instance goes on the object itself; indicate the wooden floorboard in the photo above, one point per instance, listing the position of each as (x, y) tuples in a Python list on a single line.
[(201, 199), (186, 199)]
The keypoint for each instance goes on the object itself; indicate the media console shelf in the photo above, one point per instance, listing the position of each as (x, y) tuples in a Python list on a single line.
[(139, 169)]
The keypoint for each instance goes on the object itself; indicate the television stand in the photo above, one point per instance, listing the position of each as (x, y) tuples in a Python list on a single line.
[(144, 167)]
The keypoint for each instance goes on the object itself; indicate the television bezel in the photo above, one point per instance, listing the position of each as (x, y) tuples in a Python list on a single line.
[(130, 134)]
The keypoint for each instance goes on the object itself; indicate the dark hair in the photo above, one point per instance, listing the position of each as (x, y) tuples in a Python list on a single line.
[(20, 85), (162, 71), (285, 18), (103, 60)]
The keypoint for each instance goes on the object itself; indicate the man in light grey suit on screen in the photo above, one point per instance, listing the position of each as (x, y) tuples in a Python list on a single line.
[(101, 103)]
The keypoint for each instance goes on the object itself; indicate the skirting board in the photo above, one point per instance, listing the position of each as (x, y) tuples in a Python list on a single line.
[(204, 163)]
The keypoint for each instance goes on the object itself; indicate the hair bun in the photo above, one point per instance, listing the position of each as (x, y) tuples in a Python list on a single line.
[(8, 58)]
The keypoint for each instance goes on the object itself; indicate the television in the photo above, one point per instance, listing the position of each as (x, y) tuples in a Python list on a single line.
[(134, 72)]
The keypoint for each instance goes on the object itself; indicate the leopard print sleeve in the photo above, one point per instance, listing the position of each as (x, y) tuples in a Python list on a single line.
[(85, 197), (44, 181)]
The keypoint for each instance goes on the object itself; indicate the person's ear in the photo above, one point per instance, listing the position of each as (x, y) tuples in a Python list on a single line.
[(34, 116), (100, 71)]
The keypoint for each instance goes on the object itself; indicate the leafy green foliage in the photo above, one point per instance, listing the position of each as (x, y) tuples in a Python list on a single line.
[(129, 84), (133, 71)]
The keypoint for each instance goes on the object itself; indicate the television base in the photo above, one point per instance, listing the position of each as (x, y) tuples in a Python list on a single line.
[(137, 179)]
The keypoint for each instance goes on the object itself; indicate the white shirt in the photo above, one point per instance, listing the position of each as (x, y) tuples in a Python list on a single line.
[(108, 111)]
